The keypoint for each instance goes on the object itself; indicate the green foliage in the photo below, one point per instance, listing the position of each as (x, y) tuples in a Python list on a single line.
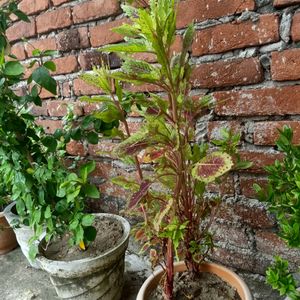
[(32, 172), (282, 195), (279, 277)]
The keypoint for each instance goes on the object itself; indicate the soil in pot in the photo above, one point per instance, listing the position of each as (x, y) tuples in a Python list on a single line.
[(109, 232), (206, 286)]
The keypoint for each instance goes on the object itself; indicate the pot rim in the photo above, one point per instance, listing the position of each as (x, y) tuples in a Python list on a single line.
[(205, 267), (123, 240)]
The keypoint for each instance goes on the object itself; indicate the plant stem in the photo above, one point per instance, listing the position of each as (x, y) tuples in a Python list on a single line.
[(170, 271)]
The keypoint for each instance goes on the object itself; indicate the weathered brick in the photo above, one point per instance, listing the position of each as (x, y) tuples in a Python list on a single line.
[(56, 19), (59, 2), (76, 149), (266, 133), (259, 102), (281, 3), (50, 125), (104, 149), (46, 94), (19, 51), (260, 159), (226, 187), (94, 58), (96, 9), (295, 30), (286, 65), (39, 110), (58, 108), (76, 38), (33, 6), (21, 30), (246, 186), (270, 243), (246, 213), (201, 10), (66, 65), (143, 88), (82, 88), (225, 37), (112, 190), (66, 89), (41, 44), (228, 73), (215, 127), (101, 35)]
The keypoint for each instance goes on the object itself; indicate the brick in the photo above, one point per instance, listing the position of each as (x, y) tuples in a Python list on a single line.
[(246, 213), (66, 65), (82, 88), (143, 88), (41, 44), (59, 2), (72, 39), (19, 51), (39, 110), (228, 73), (270, 243), (225, 37), (259, 102), (266, 133), (76, 149), (31, 7), (56, 19), (201, 10), (295, 30), (285, 65), (21, 30), (246, 186), (97, 9), (50, 125), (45, 94), (66, 89), (58, 108), (94, 58), (104, 149), (102, 35), (260, 160), (215, 127), (281, 3), (112, 190), (226, 187)]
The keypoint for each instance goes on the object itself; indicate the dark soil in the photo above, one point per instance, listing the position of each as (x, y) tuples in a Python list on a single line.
[(109, 233), (206, 286)]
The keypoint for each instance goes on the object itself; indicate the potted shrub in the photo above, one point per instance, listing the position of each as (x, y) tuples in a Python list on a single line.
[(282, 197), (173, 201)]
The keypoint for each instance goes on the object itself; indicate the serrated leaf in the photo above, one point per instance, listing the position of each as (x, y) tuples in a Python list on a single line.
[(125, 47), (212, 166)]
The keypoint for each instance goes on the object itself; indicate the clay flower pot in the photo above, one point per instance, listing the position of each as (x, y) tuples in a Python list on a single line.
[(225, 274), (100, 277), (7, 237), (23, 233)]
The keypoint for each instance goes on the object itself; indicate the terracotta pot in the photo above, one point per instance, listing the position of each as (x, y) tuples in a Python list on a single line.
[(225, 274), (100, 277), (7, 237)]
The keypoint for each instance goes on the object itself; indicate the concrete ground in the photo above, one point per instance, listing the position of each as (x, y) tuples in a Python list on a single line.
[(18, 281)]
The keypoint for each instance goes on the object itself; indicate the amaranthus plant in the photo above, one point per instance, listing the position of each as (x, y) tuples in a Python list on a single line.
[(173, 201), (282, 197)]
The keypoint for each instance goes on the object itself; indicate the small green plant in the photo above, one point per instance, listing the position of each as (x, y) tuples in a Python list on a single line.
[(173, 201), (282, 195), (48, 195)]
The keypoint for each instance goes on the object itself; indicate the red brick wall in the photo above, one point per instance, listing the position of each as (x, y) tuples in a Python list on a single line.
[(245, 52)]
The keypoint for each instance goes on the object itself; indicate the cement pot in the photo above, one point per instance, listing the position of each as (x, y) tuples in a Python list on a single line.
[(23, 233), (7, 237), (225, 274), (100, 277)]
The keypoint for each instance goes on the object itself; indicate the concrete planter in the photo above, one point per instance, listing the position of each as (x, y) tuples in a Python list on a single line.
[(23, 234), (225, 274), (7, 237), (100, 277)]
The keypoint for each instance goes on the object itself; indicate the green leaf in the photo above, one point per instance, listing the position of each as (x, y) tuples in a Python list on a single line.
[(125, 47), (47, 212), (42, 76), (13, 68), (21, 16), (91, 191), (90, 233), (87, 220), (86, 169), (50, 143), (50, 65), (92, 138), (49, 53)]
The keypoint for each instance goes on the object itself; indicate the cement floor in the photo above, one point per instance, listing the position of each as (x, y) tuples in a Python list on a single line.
[(18, 281)]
